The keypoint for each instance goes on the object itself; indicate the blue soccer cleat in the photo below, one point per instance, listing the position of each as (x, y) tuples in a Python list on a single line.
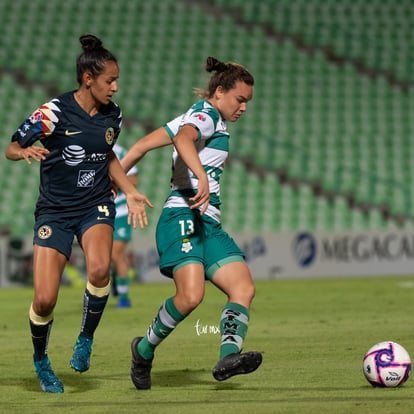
[(48, 379), (81, 354)]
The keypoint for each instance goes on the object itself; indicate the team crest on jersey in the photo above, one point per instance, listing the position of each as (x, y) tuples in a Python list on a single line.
[(110, 135), (44, 232), (201, 117), (186, 246)]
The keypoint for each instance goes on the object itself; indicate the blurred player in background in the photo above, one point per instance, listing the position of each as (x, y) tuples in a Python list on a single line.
[(78, 130), (122, 236), (191, 243)]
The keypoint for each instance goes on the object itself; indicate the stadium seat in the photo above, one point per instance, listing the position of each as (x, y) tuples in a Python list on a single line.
[(324, 111)]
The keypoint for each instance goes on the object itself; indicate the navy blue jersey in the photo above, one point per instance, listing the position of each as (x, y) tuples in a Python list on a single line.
[(74, 175)]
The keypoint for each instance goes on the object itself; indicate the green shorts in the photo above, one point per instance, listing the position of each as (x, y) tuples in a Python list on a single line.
[(122, 230), (184, 236)]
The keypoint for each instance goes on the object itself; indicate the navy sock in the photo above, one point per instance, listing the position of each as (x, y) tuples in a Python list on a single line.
[(93, 307), (40, 339)]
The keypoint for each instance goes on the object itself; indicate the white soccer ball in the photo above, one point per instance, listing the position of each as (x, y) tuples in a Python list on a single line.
[(387, 364)]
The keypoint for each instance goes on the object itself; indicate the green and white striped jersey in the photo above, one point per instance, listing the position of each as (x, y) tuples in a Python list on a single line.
[(212, 146)]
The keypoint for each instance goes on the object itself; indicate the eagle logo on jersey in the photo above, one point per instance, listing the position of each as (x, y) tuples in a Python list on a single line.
[(109, 136), (44, 232)]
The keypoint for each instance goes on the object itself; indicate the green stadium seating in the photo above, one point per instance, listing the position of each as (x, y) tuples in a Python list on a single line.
[(344, 125)]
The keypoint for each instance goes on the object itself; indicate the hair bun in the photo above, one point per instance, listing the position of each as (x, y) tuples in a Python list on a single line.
[(90, 42), (214, 64)]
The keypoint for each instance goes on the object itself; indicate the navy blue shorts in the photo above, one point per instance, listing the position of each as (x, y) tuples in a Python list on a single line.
[(57, 232)]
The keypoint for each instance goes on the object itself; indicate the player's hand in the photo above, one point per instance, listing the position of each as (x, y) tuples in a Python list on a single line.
[(136, 209), (114, 190), (36, 152), (202, 198)]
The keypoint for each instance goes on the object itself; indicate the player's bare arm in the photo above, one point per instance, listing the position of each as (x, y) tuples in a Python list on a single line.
[(184, 143), (136, 201), (156, 139), (15, 152)]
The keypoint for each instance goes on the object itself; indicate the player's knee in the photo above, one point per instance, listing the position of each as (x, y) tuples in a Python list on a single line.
[(243, 294), (189, 301), (250, 291), (43, 306), (98, 273)]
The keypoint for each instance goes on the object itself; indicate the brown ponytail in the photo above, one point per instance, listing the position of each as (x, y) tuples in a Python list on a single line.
[(225, 75)]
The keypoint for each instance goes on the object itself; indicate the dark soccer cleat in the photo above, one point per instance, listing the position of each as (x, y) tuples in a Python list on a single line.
[(81, 354), (140, 367), (47, 378), (236, 364)]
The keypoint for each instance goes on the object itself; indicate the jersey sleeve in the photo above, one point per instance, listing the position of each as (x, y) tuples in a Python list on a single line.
[(40, 124), (133, 171), (173, 126), (204, 120)]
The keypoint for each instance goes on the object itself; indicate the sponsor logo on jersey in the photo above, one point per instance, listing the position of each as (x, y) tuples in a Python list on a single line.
[(44, 118), (70, 133), (73, 155), (201, 117), (86, 178), (96, 157), (36, 116)]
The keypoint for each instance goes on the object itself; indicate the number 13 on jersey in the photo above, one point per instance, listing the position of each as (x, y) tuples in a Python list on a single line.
[(186, 227)]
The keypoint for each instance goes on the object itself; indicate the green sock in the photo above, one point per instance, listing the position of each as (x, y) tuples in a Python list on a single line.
[(122, 286), (233, 328), (163, 324)]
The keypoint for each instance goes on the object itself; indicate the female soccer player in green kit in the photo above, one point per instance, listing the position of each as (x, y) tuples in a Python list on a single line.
[(191, 243)]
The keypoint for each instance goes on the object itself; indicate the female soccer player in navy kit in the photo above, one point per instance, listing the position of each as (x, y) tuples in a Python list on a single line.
[(78, 130), (191, 242)]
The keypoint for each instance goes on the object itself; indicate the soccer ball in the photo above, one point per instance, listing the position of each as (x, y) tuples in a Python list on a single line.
[(387, 364)]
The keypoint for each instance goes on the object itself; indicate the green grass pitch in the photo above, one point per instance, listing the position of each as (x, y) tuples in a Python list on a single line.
[(313, 335)]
